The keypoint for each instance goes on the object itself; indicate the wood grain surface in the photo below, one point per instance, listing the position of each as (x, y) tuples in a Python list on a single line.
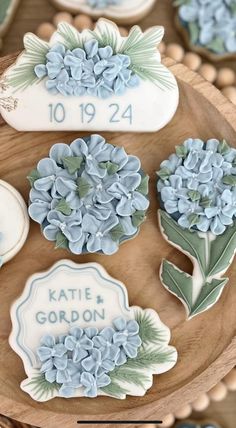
[(206, 345)]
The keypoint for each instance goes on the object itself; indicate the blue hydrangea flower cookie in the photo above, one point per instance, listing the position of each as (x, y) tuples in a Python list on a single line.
[(75, 343), (196, 188), (89, 196), (121, 11), (90, 80), (210, 24)]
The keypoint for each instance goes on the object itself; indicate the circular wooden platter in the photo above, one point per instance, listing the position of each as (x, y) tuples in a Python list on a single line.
[(206, 344)]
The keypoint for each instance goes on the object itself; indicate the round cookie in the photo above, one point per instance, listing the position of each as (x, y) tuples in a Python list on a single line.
[(14, 222)]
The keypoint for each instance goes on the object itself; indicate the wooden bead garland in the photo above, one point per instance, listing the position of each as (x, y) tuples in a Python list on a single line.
[(224, 78), (217, 393), (80, 22)]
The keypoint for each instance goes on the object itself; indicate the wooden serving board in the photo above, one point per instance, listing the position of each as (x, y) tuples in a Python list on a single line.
[(206, 344)]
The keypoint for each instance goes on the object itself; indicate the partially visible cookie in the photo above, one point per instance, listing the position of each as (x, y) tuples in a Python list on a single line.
[(7, 11), (121, 11)]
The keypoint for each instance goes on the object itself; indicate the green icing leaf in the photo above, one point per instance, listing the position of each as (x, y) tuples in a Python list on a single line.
[(179, 283), (117, 232), (148, 332), (143, 187), (114, 390), (138, 218), (222, 251), (41, 387), (5, 4), (72, 163), (189, 242), (205, 202), (208, 296), (181, 151), (147, 358), (217, 45), (83, 187), (63, 207), (223, 147), (230, 180), (61, 241), (194, 195), (111, 167), (194, 32), (124, 374), (33, 176), (193, 219), (164, 173)]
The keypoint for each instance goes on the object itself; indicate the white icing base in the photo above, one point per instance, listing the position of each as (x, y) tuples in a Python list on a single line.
[(152, 109), (14, 221), (127, 12)]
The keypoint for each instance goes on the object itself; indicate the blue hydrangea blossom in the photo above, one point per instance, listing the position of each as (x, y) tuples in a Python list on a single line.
[(214, 23), (197, 185), (84, 357), (92, 70), (87, 196)]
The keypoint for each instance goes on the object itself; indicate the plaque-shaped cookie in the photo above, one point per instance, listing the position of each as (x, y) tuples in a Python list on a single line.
[(95, 80), (78, 337)]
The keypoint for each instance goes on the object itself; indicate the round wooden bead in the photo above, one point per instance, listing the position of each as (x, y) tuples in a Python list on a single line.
[(230, 93), (208, 72), (184, 412), (162, 48), (175, 52), (225, 77), (168, 421), (82, 22), (230, 379), (123, 31), (201, 403), (45, 30), (192, 61), (218, 392), (62, 17)]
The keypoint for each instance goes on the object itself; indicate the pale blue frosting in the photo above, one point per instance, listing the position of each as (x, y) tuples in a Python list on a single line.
[(101, 4), (84, 357), (197, 185), (214, 22), (92, 70), (100, 194)]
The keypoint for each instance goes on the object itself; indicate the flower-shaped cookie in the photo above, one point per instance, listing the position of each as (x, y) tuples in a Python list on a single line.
[(89, 196)]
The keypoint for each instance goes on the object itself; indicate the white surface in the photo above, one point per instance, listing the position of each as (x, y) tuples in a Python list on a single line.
[(14, 221)]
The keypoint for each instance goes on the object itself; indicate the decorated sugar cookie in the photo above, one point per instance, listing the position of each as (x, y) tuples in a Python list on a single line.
[(197, 192), (94, 80), (74, 342), (121, 11), (7, 11), (89, 196), (14, 222)]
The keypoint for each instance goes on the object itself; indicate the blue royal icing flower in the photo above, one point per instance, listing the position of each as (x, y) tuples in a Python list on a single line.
[(101, 4), (197, 185), (87, 195), (214, 23), (83, 358), (91, 70)]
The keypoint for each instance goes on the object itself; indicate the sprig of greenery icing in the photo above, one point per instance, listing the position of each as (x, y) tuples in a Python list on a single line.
[(140, 47)]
